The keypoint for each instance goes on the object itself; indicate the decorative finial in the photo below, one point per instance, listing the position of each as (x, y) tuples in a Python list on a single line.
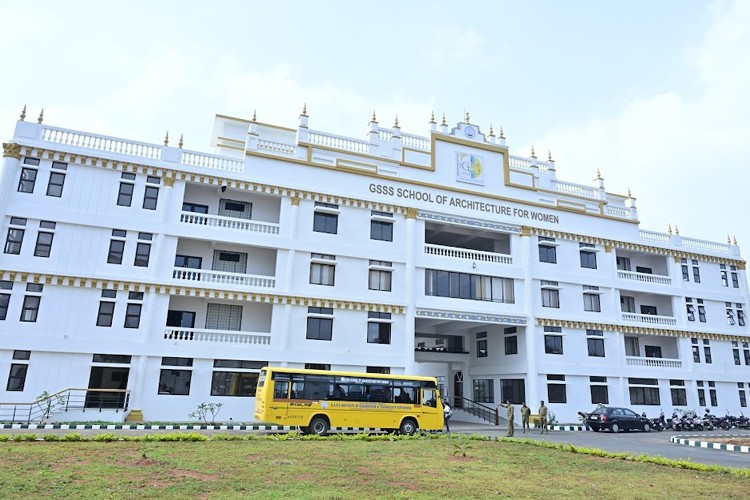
[(432, 117), (533, 154), (443, 122), (304, 109), (734, 240), (466, 117), (166, 138), (181, 142), (253, 116), (492, 132), (669, 230), (598, 175), (676, 230), (41, 117), (23, 113), (729, 240), (395, 123), (630, 196), (501, 136), (549, 155), (374, 118)]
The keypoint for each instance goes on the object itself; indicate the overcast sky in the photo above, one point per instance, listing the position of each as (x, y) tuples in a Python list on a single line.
[(655, 94)]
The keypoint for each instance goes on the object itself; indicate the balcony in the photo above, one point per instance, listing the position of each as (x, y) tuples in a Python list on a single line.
[(216, 336), (654, 279), (231, 223), (439, 354), (467, 254), (205, 276), (649, 319), (652, 362)]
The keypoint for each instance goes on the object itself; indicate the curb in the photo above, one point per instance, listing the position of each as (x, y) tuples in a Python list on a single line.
[(184, 427), (685, 441)]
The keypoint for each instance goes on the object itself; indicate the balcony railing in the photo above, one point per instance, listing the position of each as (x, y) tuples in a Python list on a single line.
[(223, 278), (652, 362), (216, 336), (229, 223), (655, 279), (649, 319), (467, 254)]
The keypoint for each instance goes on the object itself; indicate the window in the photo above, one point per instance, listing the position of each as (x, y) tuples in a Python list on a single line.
[(481, 344), (627, 304), (378, 369), (223, 317), (381, 226), (696, 272), (116, 246), (27, 181), (468, 286), (511, 341), (55, 185), (17, 377), (652, 351), (235, 383), (484, 390), (14, 240), (588, 255), (724, 277), (553, 344), (175, 381), (380, 274), (550, 294), (319, 323), (706, 351), (127, 186), (322, 269), (730, 313), (649, 310), (378, 328), (43, 246), (150, 197), (701, 393), (188, 261), (599, 392), (5, 298), (181, 319), (623, 263), (685, 270), (641, 393), (696, 350), (513, 390), (229, 262), (743, 396), (690, 309), (556, 392), (736, 352), (632, 347), (735, 277), (677, 391), (326, 218), (30, 307), (644, 270), (547, 250), (119, 359), (595, 343), (740, 315), (746, 352), (106, 308), (317, 366), (142, 250), (591, 300), (701, 311), (712, 393), (133, 311), (236, 209), (194, 207)]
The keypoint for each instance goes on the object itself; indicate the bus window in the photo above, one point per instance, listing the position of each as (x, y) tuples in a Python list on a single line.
[(281, 389), (429, 396), (298, 390)]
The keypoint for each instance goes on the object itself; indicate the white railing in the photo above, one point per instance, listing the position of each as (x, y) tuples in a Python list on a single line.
[(649, 319), (338, 142), (528, 163), (211, 161), (217, 336), (577, 190), (415, 141), (656, 237), (652, 362), (229, 223), (645, 277), (622, 212), (467, 254), (223, 278), (101, 143), (385, 134), (708, 246), (278, 148)]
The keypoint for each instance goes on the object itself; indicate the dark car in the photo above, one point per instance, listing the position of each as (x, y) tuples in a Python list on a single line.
[(616, 419)]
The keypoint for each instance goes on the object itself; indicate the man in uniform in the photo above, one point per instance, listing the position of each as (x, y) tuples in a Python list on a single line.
[(525, 414), (543, 418), (510, 416)]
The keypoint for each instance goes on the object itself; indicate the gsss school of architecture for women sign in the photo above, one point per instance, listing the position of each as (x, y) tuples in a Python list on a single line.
[(451, 200)]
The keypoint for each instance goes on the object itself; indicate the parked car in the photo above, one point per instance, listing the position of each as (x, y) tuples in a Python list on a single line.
[(616, 419)]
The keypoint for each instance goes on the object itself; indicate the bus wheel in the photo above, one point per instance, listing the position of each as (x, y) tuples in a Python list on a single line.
[(408, 426), (318, 425)]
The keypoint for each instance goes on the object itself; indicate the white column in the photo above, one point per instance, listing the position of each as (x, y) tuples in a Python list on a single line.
[(527, 261), (9, 173), (291, 231), (410, 312)]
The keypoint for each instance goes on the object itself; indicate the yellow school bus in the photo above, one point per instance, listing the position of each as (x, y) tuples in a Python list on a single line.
[(317, 400)]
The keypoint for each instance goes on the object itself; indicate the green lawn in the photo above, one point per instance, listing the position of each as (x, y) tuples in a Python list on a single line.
[(416, 468)]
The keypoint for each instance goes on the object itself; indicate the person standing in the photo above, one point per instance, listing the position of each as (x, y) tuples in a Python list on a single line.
[(447, 412), (543, 418), (510, 415), (525, 414)]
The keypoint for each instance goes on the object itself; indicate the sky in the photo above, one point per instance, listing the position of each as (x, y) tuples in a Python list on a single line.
[(656, 95)]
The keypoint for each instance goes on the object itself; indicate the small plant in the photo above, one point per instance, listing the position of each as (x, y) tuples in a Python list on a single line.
[(203, 411), (461, 449)]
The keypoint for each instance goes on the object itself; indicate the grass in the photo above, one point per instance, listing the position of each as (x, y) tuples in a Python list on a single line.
[(338, 468)]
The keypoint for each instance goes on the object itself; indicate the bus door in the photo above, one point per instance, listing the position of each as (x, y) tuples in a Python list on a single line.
[(280, 402), (431, 413)]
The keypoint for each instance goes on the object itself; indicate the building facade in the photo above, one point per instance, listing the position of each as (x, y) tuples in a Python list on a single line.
[(175, 275)]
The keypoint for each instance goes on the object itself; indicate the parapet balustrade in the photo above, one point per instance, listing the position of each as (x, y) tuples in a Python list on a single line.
[(223, 278), (278, 148), (85, 140), (212, 162), (692, 243), (229, 223), (652, 362), (649, 319), (216, 336), (338, 142), (644, 277), (467, 254)]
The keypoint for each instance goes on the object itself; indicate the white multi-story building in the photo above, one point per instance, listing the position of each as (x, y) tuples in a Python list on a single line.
[(176, 275)]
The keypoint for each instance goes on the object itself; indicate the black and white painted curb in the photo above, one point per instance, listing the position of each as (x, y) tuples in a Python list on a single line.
[(698, 442), (173, 427)]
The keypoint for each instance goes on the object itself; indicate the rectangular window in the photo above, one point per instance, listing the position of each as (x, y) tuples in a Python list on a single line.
[(735, 277), (238, 384), (623, 263), (106, 309), (599, 392), (707, 350), (322, 269), (235, 209), (553, 344), (27, 181), (469, 286), (142, 254), (194, 207), (378, 328), (14, 240), (378, 369), (627, 304), (591, 301), (644, 395), (724, 276), (133, 315), (736, 352), (650, 310), (30, 308), (380, 273), (125, 193), (550, 298), (181, 319), (43, 246), (326, 218), (677, 392), (743, 398), (596, 347), (484, 390), (588, 255), (381, 226), (481, 344), (556, 392), (690, 309), (547, 250), (4, 298), (652, 351), (150, 197), (55, 184), (188, 261), (632, 347), (175, 382), (685, 270), (17, 377), (511, 345), (223, 317), (319, 323), (116, 246)]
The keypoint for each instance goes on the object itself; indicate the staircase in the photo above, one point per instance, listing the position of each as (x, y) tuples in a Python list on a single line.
[(471, 411), (71, 402)]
